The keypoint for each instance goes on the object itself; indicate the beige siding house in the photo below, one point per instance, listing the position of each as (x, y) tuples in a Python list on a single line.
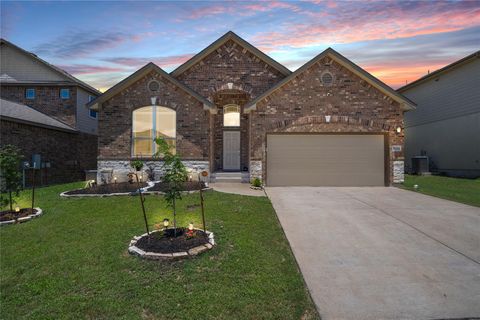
[(446, 124)]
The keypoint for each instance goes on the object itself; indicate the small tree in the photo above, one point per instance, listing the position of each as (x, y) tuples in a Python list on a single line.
[(10, 176), (175, 174)]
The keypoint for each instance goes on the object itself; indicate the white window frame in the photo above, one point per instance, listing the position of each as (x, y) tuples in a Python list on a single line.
[(154, 131), (27, 96), (232, 106)]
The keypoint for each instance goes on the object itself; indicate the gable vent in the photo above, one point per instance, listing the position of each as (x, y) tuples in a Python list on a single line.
[(327, 79), (154, 86)]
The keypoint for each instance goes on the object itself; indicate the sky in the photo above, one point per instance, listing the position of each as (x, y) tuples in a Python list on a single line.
[(103, 42)]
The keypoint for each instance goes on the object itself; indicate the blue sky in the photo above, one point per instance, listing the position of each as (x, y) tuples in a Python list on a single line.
[(103, 42)]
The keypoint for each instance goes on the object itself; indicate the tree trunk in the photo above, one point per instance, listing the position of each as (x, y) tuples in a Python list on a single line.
[(10, 195), (174, 219)]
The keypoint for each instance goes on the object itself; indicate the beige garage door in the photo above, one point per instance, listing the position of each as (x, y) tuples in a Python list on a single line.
[(325, 160)]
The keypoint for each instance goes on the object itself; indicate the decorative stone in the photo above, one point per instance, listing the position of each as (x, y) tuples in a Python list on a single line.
[(398, 171), (23, 219), (132, 249), (197, 250)]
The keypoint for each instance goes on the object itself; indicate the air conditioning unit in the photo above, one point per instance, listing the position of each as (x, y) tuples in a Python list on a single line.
[(420, 165)]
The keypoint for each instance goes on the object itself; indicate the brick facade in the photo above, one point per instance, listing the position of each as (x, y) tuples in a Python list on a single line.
[(47, 100), (302, 104), (115, 120), (69, 154), (231, 74)]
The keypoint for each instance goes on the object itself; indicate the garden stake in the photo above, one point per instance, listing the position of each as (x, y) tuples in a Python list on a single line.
[(203, 211), (142, 200), (33, 188)]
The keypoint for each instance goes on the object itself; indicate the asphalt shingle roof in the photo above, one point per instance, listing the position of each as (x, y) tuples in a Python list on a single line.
[(21, 113)]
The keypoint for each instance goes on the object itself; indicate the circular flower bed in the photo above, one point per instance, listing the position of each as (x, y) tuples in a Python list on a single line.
[(25, 214), (163, 245)]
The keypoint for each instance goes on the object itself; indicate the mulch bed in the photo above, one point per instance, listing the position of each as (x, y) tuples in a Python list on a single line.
[(121, 187), (164, 242), (187, 186), (12, 215)]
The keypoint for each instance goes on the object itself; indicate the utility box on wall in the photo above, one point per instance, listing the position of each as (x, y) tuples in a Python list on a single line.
[(36, 161)]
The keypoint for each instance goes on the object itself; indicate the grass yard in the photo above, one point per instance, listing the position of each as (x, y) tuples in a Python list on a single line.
[(72, 263), (461, 190)]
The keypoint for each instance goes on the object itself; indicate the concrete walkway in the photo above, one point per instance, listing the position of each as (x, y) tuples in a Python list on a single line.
[(237, 188), (383, 253)]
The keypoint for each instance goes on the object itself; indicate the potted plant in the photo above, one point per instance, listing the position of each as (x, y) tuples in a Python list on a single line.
[(136, 164), (175, 174)]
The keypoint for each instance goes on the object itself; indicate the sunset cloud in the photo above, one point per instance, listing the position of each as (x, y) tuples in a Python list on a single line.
[(163, 62)]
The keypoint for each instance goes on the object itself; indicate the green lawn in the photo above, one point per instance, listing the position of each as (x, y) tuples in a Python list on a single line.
[(460, 190), (72, 263)]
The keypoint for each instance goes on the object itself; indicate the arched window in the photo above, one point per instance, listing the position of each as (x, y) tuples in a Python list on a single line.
[(231, 115), (150, 123)]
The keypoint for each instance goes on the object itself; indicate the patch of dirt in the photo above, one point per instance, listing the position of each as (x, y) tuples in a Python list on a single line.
[(121, 187), (187, 186), (165, 242), (12, 215)]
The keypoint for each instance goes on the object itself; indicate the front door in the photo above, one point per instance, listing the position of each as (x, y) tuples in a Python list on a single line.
[(231, 150)]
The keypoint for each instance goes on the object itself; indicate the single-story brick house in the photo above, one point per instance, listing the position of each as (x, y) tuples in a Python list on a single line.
[(233, 108)]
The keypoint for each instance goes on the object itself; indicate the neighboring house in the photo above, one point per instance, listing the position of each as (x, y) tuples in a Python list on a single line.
[(233, 108), (446, 124), (30, 84), (65, 152)]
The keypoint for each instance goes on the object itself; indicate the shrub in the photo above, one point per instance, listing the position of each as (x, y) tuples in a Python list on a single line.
[(136, 164), (10, 176), (257, 183)]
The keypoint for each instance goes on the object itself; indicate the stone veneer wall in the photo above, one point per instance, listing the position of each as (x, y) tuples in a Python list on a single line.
[(115, 120), (302, 104), (47, 100), (152, 170), (69, 154)]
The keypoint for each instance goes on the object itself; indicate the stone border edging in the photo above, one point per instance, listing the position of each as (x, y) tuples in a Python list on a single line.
[(23, 219), (133, 193), (134, 250)]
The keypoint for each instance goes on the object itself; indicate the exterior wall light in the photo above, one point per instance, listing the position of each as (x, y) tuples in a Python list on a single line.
[(166, 222), (399, 129)]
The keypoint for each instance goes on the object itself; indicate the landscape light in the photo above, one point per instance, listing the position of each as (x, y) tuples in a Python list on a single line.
[(166, 222), (190, 226), (17, 209), (115, 179)]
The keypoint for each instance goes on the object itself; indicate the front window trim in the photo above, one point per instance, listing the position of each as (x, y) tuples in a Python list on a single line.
[(153, 146), (234, 108)]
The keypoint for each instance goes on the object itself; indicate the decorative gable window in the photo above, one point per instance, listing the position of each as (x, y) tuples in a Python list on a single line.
[(65, 93), (150, 123), (30, 93), (231, 115)]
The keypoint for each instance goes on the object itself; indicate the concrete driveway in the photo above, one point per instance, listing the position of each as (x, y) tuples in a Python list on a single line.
[(383, 253)]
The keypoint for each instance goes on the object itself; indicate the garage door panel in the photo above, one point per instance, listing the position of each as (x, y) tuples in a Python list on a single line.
[(325, 160)]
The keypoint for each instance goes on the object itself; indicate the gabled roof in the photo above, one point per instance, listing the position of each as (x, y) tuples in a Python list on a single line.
[(137, 75), (436, 73), (63, 73), (337, 57), (21, 113), (230, 35)]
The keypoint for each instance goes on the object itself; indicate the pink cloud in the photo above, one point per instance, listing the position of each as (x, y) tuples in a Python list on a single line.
[(89, 69), (346, 26)]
